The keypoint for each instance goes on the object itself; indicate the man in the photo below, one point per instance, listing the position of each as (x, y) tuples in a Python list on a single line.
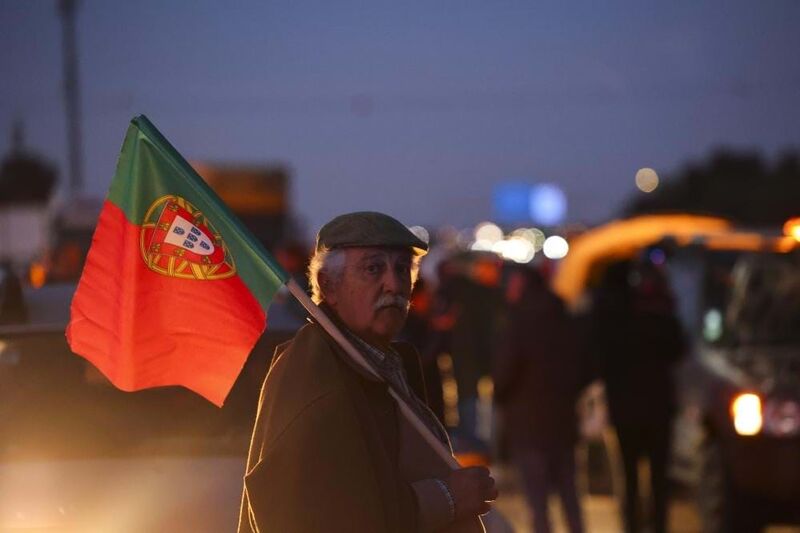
[(537, 380), (330, 450), (638, 341)]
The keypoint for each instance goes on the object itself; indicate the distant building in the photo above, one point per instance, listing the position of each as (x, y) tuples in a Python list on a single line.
[(257, 194), (27, 183)]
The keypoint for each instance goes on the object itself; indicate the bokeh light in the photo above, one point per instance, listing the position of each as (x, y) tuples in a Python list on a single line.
[(515, 249), (792, 228), (548, 204), (712, 325), (657, 256), (555, 247), (37, 275), (746, 411), (488, 231), (646, 180), (482, 245), (533, 235)]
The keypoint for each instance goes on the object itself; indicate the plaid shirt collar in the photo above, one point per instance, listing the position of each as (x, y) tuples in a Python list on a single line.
[(389, 366)]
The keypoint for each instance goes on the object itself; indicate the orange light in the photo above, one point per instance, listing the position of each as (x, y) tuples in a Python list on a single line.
[(746, 412), (786, 244), (466, 459), (37, 275), (792, 228), (736, 241)]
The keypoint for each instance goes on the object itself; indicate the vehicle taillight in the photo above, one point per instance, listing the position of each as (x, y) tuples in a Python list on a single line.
[(792, 228), (746, 413)]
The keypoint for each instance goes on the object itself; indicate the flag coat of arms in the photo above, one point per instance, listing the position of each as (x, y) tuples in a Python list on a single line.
[(175, 290)]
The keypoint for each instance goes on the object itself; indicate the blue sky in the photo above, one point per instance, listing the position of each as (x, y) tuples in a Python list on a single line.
[(416, 108)]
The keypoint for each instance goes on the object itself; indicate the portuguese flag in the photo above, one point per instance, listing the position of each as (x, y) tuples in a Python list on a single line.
[(175, 290)]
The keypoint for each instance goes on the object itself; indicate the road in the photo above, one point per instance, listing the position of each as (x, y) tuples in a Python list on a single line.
[(600, 512)]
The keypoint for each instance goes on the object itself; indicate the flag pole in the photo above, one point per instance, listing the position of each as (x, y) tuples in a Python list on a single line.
[(332, 330)]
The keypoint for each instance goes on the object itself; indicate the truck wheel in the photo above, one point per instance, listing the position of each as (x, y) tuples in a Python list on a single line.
[(721, 508)]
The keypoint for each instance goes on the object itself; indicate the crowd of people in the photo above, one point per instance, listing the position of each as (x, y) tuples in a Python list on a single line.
[(504, 321)]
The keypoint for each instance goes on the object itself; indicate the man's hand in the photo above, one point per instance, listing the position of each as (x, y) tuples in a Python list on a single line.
[(472, 488)]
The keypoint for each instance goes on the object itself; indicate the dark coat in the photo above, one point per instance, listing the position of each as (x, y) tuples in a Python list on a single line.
[(537, 373), (324, 452), (472, 337), (637, 340)]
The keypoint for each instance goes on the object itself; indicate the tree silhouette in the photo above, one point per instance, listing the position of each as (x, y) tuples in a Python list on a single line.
[(24, 177), (737, 185)]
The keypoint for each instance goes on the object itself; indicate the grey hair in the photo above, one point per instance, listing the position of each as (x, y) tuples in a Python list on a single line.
[(331, 263)]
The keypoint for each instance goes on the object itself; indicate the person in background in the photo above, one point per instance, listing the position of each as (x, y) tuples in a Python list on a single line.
[(475, 303), (537, 375), (420, 333), (637, 339), (12, 302)]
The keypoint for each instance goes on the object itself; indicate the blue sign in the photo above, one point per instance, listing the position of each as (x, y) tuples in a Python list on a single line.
[(543, 204), (511, 202)]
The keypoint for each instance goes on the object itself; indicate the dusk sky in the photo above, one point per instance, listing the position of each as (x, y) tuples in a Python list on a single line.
[(417, 109)]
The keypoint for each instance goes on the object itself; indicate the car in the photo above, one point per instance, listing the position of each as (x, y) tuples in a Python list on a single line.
[(736, 442), (742, 390)]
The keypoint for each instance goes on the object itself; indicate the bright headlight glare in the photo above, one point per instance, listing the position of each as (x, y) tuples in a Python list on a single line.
[(746, 412)]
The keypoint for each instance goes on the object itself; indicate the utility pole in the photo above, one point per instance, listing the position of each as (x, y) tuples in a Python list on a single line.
[(72, 101), (17, 137)]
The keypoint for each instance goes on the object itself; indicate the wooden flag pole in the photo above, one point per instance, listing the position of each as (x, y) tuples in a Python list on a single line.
[(332, 330)]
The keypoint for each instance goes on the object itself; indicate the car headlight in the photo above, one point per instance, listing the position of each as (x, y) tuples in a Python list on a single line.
[(746, 414)]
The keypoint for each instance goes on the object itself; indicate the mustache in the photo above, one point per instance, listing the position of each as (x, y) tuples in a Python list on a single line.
[(392, 300)]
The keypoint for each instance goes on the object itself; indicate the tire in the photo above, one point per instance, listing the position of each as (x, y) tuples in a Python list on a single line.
[(722, 509)]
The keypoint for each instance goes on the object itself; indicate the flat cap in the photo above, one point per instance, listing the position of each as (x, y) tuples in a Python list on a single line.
[(368, 228)]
